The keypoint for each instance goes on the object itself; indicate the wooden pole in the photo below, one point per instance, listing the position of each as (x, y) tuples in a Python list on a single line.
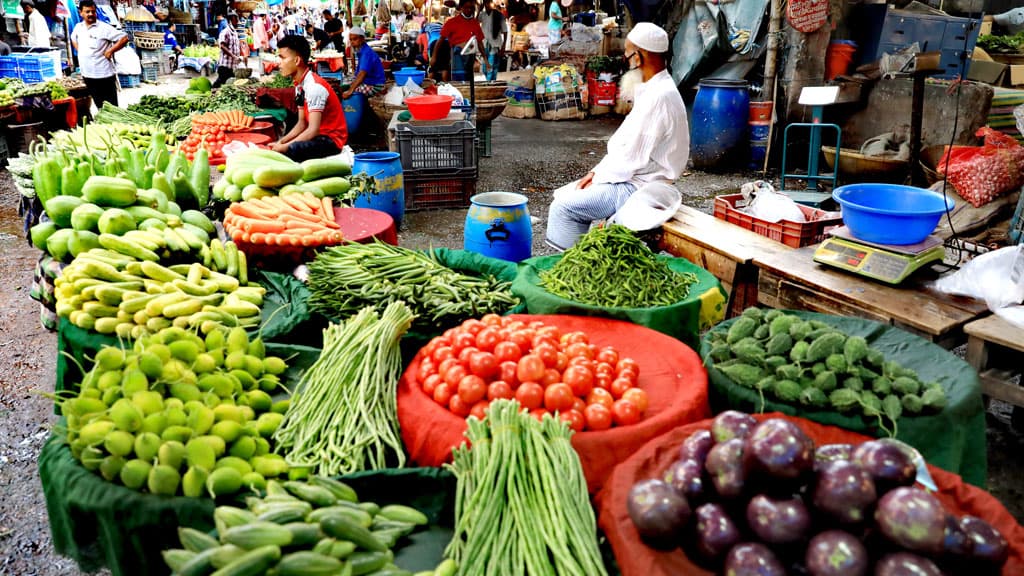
[(771, 70)]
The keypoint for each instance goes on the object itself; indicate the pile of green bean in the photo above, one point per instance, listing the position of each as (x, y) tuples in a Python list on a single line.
[(521, 502), (343, 416), (613, 268), (344, 279)]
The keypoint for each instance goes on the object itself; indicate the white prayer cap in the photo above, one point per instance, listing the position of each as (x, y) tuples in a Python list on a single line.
[(650, 37), (357, 31)]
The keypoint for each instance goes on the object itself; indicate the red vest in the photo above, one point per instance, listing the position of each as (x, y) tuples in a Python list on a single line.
[(332, 120)]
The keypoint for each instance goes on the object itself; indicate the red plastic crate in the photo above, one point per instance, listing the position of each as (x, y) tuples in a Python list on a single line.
[(793, 234), (436, 192)]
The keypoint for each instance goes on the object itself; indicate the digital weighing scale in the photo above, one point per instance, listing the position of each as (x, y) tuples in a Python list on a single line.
[(882, 262)]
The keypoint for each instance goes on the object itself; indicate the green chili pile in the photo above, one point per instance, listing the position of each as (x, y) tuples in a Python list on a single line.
[(343, 417), (521, 502), (611, 267)]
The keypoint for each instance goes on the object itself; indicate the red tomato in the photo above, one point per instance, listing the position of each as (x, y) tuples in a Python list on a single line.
[(627, 364), (458, 406), (536, 324), (473, 326), (446, 365), (523, 339), (503, 334), (491, 320), (551, 376), (576, 338), (625, 413), (563, 361), (530, 395), (551, 332), (574, 418), (578, 404), (442, 352), (558, 397), (603, 381), (579, 379), (466, 353), (472, 389), (605, 368), (454, 375), (487, 339), (507, 372), (449, 335), (579, 349), (582, 361), (443, 394), (507, 351), (426, 369), (530, 368), (637, 397), (598, 417), (479, 409), (430, 384), (461, 341), (618, 388), (547, 353), (483, 364), (499, 389), (628, 374), (602, 397), (539, 414), (608, 355)]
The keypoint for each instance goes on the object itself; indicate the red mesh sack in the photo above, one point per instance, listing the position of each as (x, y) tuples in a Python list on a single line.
[(637, 559), (670, 372), (980, 174)]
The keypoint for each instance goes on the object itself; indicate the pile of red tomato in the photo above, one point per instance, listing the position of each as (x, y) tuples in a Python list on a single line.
[(590, 387), (213, 138)]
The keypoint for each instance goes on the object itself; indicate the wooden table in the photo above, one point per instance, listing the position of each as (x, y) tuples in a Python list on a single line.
[(995, 348), (722, 248), (793, 280)]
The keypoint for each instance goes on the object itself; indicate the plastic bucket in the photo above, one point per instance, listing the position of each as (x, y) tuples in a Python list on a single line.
[(759, 130), (718, 131), (758, 150), (353, 108), (498, 225), (838, 58), (761, 112), (386, 169)]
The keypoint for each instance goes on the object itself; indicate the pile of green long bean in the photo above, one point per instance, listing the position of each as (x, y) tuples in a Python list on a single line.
[(343, 416), (521, 499), (611, 267), (344, 279)]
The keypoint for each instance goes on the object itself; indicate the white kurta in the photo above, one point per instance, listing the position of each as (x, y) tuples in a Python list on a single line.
[(38, 32), (653, 142)]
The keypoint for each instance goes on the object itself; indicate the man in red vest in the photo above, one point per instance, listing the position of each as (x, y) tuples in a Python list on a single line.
[(321, 129)]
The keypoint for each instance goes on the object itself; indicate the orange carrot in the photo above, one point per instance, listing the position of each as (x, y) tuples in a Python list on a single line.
[(310, 200), (265, 226), (328, 210), (258, 238), (236, 234)]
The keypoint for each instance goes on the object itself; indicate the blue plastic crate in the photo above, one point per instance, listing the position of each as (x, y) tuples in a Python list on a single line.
[(8, 63), (30, 77), (138, 26), (150, 71), (129, 80), (340, 76)]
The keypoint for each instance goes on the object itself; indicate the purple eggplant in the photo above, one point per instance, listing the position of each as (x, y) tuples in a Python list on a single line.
[(836, 553), (697, 446), (658, 512), (687, 478), (778, 521), (725, 466), (752, 559), (732, 424), (830, 453), (889, 464), (844, 491), (988, 544), (716, 533), (779, 449), (913, 519), (955, 541), (906, 564)]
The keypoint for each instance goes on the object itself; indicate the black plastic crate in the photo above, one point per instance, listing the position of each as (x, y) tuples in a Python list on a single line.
[(440, 191), (436, 149)]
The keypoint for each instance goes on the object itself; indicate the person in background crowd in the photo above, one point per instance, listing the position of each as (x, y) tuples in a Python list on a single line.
[(170, 40), (457, 31), (333, 27), (320, 130), (259, 33), (289, 23), (320, 38), (38, 35), (495, 28), (555, 22), (5, 48), (651, 145), (96, 43), (221, 23), (275, 32), (369, 72), (230, 51)]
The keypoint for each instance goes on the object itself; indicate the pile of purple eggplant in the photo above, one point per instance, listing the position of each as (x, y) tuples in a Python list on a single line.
[(749, 498)]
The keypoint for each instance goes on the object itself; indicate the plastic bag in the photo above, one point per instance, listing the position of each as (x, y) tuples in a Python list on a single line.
[(649, 206), (127, 62), (768, 205), (411, 88), (449, 90), (982, 173), (395, 96), (1012, 314), (996, 277)]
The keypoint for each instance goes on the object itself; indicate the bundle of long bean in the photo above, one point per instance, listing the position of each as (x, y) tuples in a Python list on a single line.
[(343, 417), (521, 499), (611, 267), (345, 279)]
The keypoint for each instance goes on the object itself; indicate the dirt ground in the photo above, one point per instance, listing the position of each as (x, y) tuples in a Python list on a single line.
[(530, 156)]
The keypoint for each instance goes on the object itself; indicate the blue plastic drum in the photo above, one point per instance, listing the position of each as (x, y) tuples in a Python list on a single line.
[(386, 169), (498, 225), (353, 108), (718, 128)]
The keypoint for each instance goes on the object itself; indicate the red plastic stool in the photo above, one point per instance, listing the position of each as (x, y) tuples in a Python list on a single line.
[(364, 224)]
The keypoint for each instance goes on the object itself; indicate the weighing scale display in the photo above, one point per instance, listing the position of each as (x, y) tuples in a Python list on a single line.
[(873, 262)]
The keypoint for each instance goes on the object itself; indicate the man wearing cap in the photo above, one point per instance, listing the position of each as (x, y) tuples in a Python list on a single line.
[(458, 31), (651, 145), (369, 79), (38, 32), (96, 43), (230, 51)]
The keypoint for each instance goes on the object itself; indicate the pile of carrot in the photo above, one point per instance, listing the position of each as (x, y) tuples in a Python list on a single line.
[(299, 219), (229, 120)]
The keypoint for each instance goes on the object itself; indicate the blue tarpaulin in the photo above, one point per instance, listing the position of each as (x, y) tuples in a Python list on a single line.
[(699, 32)]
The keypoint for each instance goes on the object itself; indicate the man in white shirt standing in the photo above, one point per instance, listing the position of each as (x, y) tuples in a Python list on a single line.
[(651, 145), (96, 43), (38, 32)]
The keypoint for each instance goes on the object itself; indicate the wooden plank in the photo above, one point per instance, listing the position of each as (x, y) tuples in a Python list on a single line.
[(719, 236), (993, 384), (912, 304), (777, 292), (995, 329)]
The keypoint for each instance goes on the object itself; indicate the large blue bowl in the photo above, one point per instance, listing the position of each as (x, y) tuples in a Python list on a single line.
[(402, 76), (890, 213)]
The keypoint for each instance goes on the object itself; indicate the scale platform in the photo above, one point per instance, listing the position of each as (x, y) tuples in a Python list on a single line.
[(882, 262)]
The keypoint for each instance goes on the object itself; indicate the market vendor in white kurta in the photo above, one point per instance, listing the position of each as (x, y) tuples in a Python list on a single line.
[(651, 145)]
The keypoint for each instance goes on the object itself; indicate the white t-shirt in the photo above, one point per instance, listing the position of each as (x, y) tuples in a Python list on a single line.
[(316, 95), (38, 32), (92, 41)]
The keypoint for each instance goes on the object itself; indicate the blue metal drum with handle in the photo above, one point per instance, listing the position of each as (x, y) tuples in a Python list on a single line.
[(718, 128), (498, 225)]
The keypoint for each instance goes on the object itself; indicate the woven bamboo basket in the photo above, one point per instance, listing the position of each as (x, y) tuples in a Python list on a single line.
[(866, 168), (483, 90)]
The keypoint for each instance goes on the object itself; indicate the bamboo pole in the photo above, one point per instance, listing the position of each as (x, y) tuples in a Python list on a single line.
[(771, 71)]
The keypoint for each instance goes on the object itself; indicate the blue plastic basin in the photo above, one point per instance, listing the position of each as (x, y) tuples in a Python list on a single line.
[(402, 76), (890, 213)]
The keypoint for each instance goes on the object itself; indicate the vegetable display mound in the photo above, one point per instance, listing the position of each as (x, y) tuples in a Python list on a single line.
[(521, 499), (812, 364), (299, 219), (313, 527), (345, 279), (612, 267), (166, 108), (497, 358), (760, 498), (180, 414)]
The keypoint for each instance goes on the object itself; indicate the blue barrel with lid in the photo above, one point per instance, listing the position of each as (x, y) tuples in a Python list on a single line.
[(718, 127), (498, 225), (386, 169)]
